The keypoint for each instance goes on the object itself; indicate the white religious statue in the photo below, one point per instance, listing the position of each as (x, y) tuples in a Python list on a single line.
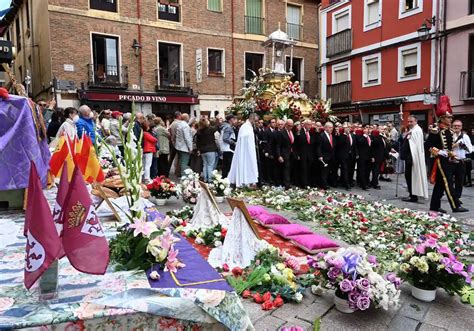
[(206, 214), (244, 168), (240, 246), (279, 62)]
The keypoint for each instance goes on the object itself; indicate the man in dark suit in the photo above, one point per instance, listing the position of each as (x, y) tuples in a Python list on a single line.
[(284, 151), (377, 157), (345, 152), (326, 154), (306, 152), (269, 151), (363, 143)]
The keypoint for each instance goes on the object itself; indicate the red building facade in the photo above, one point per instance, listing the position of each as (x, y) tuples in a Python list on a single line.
[(374, 66)]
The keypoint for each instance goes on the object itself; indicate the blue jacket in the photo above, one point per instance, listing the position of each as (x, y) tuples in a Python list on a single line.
[(86, 125)]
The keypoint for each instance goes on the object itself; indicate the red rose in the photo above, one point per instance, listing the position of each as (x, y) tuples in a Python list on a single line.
[(183, 223), (257, 298), (183, 234), (237, 271), (223, 232), (267, 296), (246, 294), (278, 302), (267, 305), (225, 267), (329, 199)]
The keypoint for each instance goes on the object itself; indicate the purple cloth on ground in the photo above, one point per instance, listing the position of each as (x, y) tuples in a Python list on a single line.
[(152, 214), (196, 270), (19, 145)]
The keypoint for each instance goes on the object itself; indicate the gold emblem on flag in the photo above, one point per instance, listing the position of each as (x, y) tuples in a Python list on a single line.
[(76, 215)]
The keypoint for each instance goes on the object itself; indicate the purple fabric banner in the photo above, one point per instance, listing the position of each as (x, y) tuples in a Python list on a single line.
[(196, 270), (19, 145)]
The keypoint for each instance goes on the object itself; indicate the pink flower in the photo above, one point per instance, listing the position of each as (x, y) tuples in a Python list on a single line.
[(444, 250), (141, 227), (172, 262), (420, 249), (167, 240)]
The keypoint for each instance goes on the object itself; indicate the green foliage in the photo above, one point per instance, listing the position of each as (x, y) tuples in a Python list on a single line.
[(254, 278), (129, 253), (467, 295)]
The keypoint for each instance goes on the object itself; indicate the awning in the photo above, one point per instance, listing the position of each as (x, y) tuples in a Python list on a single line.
[(126, 96)]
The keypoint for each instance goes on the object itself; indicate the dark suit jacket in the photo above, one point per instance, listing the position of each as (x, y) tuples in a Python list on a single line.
[(324, 148), (344, 149), (363, 148), (283, 145), (377, 149), (303, 149)]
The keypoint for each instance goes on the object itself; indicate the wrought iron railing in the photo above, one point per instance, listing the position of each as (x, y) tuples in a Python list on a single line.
[(177, 81), (294, 31), (254, 25), (105, 76)]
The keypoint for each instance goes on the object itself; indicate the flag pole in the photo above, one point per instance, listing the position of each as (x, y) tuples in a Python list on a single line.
[(98, 186)]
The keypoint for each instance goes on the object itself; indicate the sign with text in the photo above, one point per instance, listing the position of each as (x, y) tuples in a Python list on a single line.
[(199, 65), (137, 97)]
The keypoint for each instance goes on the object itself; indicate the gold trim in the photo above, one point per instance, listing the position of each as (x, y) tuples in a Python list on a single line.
[(446, 186), (175, 279)]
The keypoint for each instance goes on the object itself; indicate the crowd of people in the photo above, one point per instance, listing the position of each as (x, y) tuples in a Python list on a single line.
[(288, 154)]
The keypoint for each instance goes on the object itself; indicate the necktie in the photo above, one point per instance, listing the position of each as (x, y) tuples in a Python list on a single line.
[(307, 137), (350, 139), (369, 141), (290, 134), (330, 139)]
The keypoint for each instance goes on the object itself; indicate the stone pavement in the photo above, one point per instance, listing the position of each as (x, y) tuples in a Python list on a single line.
[(445, 313)]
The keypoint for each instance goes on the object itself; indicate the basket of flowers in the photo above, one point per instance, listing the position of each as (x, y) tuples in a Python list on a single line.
[(351, 272), (189, 187), (161, 189), (430, 265)]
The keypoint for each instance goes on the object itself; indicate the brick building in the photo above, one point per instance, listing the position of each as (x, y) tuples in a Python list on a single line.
[(165, 55), (374, 65)]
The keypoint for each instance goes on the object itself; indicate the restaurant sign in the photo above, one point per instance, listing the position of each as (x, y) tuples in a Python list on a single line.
[(138, 97)]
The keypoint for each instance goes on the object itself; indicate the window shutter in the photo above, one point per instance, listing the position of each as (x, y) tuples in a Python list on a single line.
[(410, 59), (373, 12), (372, 71), (342, 22), (214, 5), (341, 75)]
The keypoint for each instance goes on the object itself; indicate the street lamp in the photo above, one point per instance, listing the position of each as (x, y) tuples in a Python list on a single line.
[(136, 47), (424, 30)]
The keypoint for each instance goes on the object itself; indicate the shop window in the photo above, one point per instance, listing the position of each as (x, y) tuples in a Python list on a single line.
[(105, 5)]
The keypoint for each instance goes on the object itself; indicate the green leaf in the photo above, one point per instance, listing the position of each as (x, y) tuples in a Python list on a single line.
[(140, 249), (317, 324)]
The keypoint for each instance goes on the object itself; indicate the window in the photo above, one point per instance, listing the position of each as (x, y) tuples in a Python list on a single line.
[(253, 62), (169, 10), (214, 5), (410, 7), (471, 7), (169, 58), (296, 68), (341, 73), (215, 62), (341, 20), (106, 5), (254, 16), (293, 25), (372, 14), (105, 53), (18, 34), (371, 70), (409, 62)]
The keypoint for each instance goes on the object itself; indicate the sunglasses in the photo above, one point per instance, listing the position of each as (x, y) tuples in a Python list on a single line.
[(42, 105)]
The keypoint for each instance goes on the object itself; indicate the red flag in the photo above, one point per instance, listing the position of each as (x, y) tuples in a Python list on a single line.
[(59, 204), (83, 238), (42, 240)]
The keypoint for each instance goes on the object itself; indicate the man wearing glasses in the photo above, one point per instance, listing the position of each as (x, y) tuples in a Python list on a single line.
[(47, 109)]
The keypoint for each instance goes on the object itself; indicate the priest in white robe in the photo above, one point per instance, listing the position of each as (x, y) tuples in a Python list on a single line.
[(244, 168), (415, 167)]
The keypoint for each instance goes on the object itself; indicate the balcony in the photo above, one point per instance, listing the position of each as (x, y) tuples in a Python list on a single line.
[(339, 43), (169, 10), (254, 25), (102, 76), (178, 82), (294, 31), (340, 93), (467, 86)]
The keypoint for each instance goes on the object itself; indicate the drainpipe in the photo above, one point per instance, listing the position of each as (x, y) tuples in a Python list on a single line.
[(232, 46), (140, 58)]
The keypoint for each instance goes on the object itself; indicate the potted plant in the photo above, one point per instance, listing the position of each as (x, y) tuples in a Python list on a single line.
[(352, 274), (430, 265), (161, 189), (219, 186)]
